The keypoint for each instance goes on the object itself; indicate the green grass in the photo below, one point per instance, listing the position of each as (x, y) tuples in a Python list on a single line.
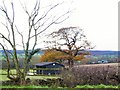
[(42, 77), (3, 78), (23, 86), (96, 86), (3, 75), (4, 71), (79, 86)]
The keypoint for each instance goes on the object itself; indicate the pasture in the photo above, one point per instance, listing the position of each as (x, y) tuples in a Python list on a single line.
[(3, 75)]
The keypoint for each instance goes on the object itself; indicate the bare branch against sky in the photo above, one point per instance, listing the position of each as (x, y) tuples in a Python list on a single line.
[(98, 18)]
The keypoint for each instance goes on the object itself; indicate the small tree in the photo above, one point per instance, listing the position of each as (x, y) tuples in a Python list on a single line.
[(70, 40), (37, 23)]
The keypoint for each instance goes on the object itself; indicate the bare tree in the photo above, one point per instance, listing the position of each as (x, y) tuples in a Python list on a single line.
[(70, 40), (36, 25)]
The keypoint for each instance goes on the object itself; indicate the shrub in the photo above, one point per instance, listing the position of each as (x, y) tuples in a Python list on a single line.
[(91, 75)]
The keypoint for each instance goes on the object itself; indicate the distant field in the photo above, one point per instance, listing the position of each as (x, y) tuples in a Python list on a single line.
[(97, 65)]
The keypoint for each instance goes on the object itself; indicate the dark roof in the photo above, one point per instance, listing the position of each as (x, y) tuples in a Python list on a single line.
[(46, 63)]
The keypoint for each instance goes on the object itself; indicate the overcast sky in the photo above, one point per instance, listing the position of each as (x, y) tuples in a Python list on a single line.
[(98, 19)]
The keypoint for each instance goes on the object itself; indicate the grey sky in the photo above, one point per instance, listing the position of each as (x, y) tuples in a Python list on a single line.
[(98, 18)]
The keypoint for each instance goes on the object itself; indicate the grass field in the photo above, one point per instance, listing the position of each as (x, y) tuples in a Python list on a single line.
[(42, 77), (78, 86), (4, 71), (3, 76), (96, 86)]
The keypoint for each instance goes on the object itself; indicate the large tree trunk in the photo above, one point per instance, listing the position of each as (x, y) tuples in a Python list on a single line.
[(18, 78), (70, 63), (22, 80)]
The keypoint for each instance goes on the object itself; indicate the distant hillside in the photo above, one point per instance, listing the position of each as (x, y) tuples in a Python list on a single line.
[(93, 52), (97, 52), (21, 51)]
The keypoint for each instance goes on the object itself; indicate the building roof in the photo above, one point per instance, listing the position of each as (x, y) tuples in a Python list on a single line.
[(46, 63)]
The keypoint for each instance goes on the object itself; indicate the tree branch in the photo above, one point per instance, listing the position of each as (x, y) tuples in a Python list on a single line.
[(2, 36)]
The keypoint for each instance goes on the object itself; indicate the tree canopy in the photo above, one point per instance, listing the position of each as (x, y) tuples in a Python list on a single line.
[(70, 40), (57, 56)]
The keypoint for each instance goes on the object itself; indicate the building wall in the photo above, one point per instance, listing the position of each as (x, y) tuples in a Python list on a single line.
[(49, 72)]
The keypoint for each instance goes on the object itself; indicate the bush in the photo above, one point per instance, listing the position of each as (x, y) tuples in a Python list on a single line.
[(69, 79), (91, 75)]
